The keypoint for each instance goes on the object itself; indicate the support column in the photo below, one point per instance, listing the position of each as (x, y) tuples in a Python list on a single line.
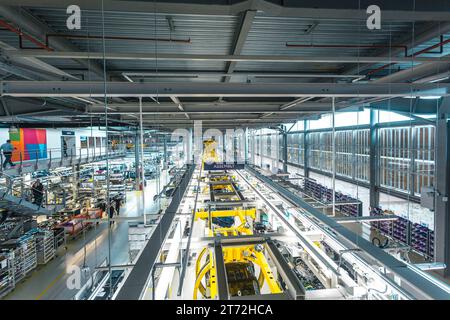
[(189, 147), (253, 137), (306, 148), (136, 157), (246, 146), (353, 150), (285, 152), (76, 182), (442, 176), (261, 144), (165, 164), (373, 160), (412, 169)]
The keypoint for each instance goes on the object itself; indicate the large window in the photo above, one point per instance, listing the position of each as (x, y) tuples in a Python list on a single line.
[(362, 150), (292, 144), (280, 146), (423, 150), (406, 154), (395, 158), (301, 149), (314, 150), (344, 153)]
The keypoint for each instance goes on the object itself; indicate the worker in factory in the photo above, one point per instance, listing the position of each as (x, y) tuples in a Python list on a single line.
[(7, 149), (118, 204), (38, 192), (65, 148), (112, 210)]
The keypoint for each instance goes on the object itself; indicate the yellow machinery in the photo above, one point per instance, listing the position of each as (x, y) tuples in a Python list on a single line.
[(239, 260), (242, 214), (209, 152)]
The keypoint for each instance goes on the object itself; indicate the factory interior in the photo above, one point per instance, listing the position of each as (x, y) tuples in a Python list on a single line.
[(224, 150)]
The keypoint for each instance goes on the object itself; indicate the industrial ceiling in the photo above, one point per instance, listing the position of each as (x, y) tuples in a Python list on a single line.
[(251, 63)]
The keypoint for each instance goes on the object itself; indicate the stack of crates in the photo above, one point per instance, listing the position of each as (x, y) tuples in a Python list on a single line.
[(22, 254)]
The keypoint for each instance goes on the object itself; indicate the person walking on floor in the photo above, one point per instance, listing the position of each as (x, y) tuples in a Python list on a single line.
[(112, 211), (65, 148), (7, 149), (118, 204), (38, 192)]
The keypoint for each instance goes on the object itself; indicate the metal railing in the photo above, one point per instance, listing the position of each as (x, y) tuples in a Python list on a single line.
[(55, 157), (45, 198)]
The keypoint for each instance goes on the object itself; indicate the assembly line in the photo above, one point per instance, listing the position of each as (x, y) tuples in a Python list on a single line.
[(247, 240)]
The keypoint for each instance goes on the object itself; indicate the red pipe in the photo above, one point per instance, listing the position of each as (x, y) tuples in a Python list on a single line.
[(375, 46), (437, 45), (81, 36), (26, 36)]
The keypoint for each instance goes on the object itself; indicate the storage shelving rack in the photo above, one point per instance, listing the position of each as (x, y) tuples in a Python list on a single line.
[(385, 227), (6, 275), (117, 183), (59, 237), (22, 254), (419, 237), (45, 246), (324, 194), (27, 245)]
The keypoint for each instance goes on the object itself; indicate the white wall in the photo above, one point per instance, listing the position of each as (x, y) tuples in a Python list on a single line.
[(4, 135), (54, 140)]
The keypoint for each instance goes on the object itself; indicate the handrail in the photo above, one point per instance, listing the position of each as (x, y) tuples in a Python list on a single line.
[(45, 192), (75, 154)]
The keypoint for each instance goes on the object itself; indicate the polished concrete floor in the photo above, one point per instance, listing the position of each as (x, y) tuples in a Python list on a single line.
[(88, 251)]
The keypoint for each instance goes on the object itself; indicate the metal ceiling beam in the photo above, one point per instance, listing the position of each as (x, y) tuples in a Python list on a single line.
[(234, 112), (201, 89), (32, 67), (192, 107), (432, 31), (34, 26), (188, 74), (419, 71), (177, 121), (403, 12), (5, 106), (179, 105), (246, 25), (218, 57)]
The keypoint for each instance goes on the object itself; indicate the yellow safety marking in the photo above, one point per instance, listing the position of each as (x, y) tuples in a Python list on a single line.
[(50, 285), (62, 273)]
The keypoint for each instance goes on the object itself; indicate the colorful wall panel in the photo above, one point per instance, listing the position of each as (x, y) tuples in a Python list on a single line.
[(30, 143)]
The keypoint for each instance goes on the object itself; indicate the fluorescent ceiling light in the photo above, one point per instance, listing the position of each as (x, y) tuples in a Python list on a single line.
[(423, 97), (430, 97), (440, 79)]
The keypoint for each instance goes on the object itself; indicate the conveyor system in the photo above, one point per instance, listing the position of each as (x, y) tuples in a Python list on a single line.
[(239, 261), (226, 252), (375, 273)]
